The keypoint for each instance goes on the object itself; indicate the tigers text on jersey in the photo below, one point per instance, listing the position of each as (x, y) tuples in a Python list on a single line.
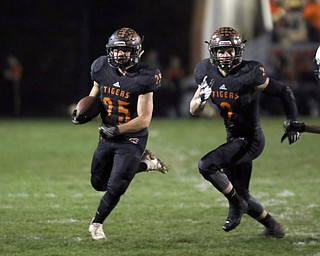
[(119, 94), (235, 95)]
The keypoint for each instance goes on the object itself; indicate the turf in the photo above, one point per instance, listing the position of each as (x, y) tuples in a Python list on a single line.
[(46, 200)]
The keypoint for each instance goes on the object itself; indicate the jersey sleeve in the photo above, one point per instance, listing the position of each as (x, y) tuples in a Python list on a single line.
[(260, 75), (153, 80), (200, 71), (96, 67)]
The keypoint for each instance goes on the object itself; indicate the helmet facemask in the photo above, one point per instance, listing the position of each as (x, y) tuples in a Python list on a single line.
[(317, 64), (229, 38), (124, 62), (125, 40), (226, 63)]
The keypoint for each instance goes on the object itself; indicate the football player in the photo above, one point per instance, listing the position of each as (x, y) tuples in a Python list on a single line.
[(125, 87), (302, 127), (234, 86)]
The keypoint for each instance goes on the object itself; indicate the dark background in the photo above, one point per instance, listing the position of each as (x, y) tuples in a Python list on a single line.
[(56, 42)]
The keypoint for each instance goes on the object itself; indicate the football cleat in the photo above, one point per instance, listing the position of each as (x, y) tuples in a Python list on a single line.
[(96, 230), (234, 216), (153, 163), (277, 231)]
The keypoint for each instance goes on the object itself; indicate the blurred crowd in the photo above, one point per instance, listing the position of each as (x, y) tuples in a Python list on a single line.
[(295, 20), (294, 40)]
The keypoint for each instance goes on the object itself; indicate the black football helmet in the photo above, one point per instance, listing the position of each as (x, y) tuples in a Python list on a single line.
[(124, 38), (226, 37), (317, 64)]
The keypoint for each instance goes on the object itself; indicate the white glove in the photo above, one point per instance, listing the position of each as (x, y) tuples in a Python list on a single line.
[(205, 90)]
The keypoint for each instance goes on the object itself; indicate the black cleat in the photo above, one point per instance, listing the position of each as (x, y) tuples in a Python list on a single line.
[(277, 231), (234, 216)]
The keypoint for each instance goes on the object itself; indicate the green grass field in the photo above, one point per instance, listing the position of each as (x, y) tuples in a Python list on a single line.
[(46, 200)]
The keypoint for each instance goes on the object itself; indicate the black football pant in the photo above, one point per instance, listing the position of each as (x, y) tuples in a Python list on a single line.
[(232, 161), (114, 165)]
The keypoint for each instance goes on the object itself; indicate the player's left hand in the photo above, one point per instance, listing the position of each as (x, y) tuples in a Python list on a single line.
[(292, 136), (108, 132), (294, 126)]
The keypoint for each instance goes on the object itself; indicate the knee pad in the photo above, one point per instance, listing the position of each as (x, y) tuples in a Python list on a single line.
[(212, 173), (209, 170), (207, 167), (97, 184), (217, 178)]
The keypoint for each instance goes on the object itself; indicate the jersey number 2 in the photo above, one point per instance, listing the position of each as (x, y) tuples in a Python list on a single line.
[(227, 106)]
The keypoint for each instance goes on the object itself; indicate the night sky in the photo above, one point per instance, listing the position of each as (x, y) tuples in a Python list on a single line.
[(56, 42)]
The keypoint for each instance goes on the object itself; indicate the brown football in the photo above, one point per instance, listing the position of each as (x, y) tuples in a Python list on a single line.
[(89, 106)]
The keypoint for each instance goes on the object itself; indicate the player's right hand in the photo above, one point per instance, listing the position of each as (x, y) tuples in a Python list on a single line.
[(79, 119), (205, 90)]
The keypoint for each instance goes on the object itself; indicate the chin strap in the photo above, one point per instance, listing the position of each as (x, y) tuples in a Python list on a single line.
[(122, 72), (140, 54)]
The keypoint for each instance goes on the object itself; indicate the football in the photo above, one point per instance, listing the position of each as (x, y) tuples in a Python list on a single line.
[(89, 106)]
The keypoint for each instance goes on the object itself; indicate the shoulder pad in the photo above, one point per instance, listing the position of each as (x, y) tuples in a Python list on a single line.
[(257, 71), (200, 70), (98, 63), (150, 77)]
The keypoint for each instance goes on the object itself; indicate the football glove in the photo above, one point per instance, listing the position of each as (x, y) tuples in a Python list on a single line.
[(205, 90), (294, 126), (293, 136), (107, 132), (79, 119)]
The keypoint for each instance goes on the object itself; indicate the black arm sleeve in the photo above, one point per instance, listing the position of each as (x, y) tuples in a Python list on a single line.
[(281, 90)]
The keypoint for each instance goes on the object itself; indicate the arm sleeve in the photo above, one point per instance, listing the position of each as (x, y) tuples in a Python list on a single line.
[(283, 91)]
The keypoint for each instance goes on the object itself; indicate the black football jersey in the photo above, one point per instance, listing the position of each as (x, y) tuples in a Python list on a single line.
[(235, 95), (119, 94)]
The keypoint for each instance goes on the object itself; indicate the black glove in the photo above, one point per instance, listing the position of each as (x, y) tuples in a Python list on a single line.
[(108, 132), (79, 119), (292, 135), (294, 126)]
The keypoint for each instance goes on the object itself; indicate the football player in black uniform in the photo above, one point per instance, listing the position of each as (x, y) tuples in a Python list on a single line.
[(234, 86), (293, 126), (125, 87)]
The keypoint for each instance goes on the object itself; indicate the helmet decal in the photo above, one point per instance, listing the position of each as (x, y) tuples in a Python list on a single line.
[(130, 36), (226, 37), (124, 37)]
